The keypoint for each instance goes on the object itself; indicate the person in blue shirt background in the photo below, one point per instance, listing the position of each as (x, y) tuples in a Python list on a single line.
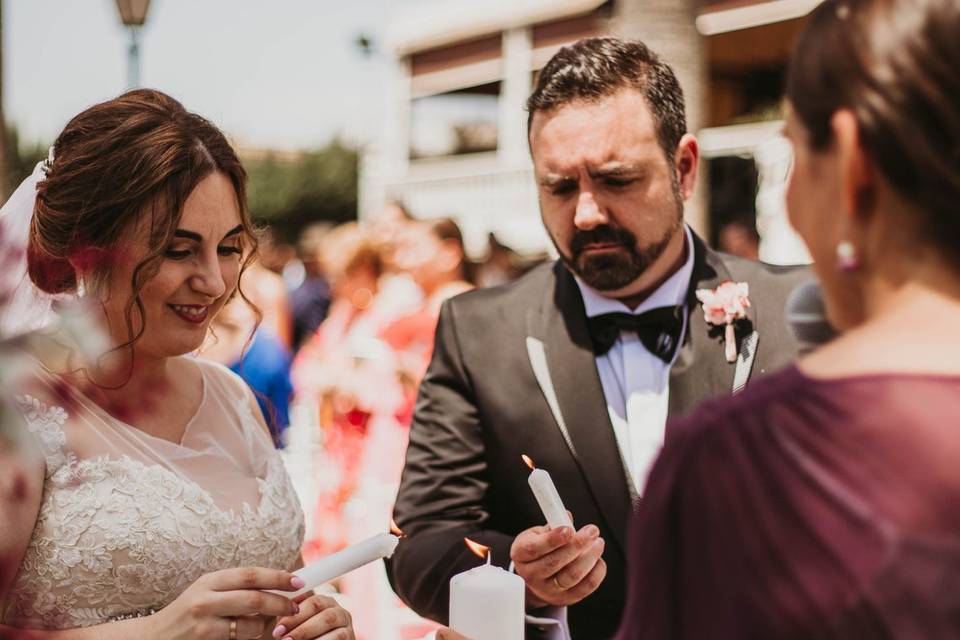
[(262, 361)]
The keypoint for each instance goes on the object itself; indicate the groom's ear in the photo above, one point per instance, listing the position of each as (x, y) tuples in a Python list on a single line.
[(686, 161)]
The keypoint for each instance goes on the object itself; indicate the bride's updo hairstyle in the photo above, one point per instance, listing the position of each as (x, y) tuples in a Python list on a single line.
[(895, 64), (137, 156)]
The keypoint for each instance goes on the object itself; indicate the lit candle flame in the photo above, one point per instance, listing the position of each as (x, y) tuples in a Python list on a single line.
[(529, 462), (477, 548), (395, 529)]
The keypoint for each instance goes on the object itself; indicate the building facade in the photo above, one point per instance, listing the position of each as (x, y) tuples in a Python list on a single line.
[(455, 143)]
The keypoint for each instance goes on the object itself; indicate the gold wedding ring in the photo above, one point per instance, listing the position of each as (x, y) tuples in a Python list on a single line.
[(233, 629), (556, 582)]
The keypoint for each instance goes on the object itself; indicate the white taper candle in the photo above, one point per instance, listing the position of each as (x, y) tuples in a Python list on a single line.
[(353, 557), (549, 500)]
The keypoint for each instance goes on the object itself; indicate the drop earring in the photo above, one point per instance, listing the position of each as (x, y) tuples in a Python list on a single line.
[(81, 286), (847, 260)]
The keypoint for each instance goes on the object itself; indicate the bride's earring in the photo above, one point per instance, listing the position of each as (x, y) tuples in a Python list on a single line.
[(81, 286), (847, 259)]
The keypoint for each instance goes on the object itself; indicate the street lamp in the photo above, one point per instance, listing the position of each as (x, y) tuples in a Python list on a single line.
[(133, 13)]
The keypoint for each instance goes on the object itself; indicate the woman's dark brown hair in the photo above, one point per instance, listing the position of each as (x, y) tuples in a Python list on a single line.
[(895, 64), (137, 156)]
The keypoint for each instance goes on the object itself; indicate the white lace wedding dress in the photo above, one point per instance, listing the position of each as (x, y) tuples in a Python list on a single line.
[(128, 520)]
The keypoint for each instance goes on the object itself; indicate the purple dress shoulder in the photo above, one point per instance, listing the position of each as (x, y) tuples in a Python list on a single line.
[(804, 508)]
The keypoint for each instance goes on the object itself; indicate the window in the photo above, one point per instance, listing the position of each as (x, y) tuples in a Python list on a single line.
[(456, 122)]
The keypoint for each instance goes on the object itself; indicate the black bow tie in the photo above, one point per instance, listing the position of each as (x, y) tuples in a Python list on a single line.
[(658, 329)]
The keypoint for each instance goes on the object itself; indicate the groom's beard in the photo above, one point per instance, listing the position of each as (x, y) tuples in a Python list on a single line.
[(612, 270)]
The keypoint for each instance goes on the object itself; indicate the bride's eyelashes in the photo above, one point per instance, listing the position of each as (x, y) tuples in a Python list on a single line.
[(180, 254)]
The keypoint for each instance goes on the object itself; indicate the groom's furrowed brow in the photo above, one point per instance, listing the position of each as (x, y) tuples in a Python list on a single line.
[(553, 179), (616, 169)]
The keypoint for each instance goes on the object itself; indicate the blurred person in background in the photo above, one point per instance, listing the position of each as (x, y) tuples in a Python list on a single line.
[(397, 289), (432, 253), (268, 291), (739, 237), (160, 508), (499, 265), (376, 365), (273, 252), (240, 344), (388, 223), (310, 295), (347, 372), (824, 501)]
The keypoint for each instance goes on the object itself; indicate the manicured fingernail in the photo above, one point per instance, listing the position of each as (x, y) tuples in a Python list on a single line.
[(297, 582), (593, 531), (279, 631), (288, 638), (295, 607)]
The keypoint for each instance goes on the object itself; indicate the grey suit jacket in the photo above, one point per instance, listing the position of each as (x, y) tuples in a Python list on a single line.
[(513, 372)]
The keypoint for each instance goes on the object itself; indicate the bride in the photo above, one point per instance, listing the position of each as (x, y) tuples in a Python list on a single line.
[(160, 508)]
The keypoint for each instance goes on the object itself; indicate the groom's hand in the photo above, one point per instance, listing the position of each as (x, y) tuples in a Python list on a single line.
[(560, 566)]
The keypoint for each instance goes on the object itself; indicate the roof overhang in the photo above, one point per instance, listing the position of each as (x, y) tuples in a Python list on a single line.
[(735, 18), (443, 23)]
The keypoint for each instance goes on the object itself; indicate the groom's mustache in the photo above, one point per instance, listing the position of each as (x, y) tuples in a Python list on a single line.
[(603, 234)]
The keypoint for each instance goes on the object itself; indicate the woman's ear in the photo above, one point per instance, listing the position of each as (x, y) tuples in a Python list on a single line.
[(857, 186)]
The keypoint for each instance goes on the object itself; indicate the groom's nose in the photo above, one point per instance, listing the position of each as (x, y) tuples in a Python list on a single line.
[(588, 214)]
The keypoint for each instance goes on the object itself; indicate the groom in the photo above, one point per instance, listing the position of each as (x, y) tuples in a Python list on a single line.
[(579, 363)]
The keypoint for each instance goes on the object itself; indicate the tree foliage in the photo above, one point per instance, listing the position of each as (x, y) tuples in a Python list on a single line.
[(290, 193)]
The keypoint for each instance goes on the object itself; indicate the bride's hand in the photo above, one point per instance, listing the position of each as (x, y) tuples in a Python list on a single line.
[(320, 618), (207, 608)]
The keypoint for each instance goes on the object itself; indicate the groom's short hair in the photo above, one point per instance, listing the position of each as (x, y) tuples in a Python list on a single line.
[(595, 68)]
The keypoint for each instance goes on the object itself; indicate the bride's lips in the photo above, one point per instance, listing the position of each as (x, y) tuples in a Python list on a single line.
[(192, 313)]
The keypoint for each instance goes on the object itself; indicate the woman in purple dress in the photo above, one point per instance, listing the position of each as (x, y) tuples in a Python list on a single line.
[(824, 501)]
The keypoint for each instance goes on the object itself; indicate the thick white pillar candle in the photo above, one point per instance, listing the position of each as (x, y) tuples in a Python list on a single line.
[(547, 497), (353, 557), (487, 603)]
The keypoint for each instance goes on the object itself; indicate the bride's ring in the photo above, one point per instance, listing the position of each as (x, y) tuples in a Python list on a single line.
[(557, 584), (233, 629)]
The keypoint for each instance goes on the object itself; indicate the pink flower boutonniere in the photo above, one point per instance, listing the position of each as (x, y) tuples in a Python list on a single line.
[(722, 307)]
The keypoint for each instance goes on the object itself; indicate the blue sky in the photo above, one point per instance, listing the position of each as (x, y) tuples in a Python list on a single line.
[(271, 73)]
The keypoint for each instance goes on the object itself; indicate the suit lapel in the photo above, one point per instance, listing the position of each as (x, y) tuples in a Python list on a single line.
[(561, 356), (559, 326), (701, 371)]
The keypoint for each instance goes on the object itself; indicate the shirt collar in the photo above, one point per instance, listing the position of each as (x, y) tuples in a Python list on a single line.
[(672, 292)]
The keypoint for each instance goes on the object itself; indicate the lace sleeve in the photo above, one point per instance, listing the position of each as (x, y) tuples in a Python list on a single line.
[(46, 422)]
